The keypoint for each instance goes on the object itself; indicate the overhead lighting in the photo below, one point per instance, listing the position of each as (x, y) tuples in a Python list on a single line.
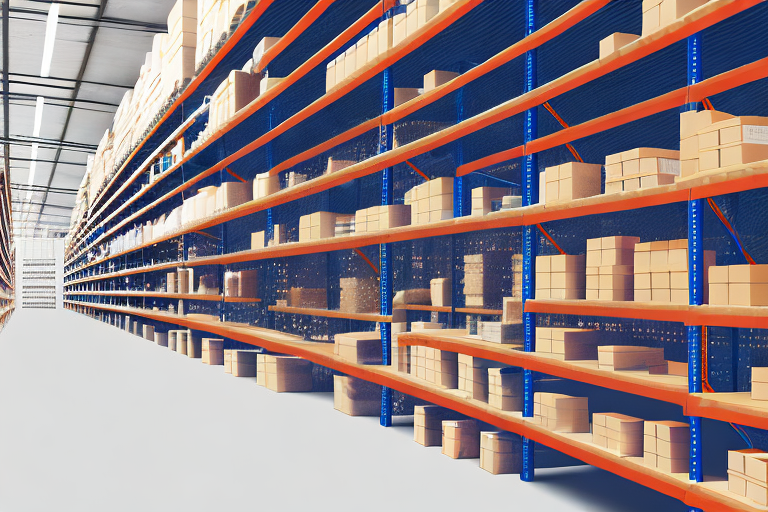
[(32, 168), (38, 116), (50, 38)]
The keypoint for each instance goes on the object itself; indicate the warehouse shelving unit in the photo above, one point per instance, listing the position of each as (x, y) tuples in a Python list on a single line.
[(486, 124)]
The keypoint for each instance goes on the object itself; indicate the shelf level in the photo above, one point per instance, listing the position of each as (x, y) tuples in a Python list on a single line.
[(368, 317)]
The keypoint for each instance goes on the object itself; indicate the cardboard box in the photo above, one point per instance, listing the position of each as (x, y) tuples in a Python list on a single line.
[(284, 373), (437, 78), (404, 94), (627, 358), (359, 347), (671, 10), (440, 291), (461, 439), (213, 351), (613, 42), (148, 332), (428, 424), (161, 338), (651, 16), (356, 397), (194, 346), (748, 294), (500, 453), (244, 363)]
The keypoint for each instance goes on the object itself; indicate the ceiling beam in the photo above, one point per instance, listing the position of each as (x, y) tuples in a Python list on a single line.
[(60, 79), (6, 109)]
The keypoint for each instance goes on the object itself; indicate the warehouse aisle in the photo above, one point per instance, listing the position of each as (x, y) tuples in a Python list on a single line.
[(95, 419)]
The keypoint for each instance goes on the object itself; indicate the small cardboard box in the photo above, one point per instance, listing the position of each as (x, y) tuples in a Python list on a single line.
[(461, 439), (440, 291), (359, 347), (613, 42), (356, 397), (436, 78)]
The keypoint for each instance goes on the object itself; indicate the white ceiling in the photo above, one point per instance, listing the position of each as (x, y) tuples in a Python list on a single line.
[(122, 39)]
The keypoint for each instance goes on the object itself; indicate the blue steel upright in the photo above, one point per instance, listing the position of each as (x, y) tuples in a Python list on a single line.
[(386, 139), (270, 229), (695, 283), (460, 208), (530, 196)]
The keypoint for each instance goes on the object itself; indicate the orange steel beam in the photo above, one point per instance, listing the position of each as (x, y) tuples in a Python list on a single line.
[(418, 171), (366, 259)]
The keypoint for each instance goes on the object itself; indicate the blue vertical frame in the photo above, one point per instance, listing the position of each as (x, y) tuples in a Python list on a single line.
[(695, 284), (530, 196)]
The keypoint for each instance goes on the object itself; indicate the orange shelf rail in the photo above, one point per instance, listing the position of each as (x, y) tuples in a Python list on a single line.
[(328, 313), (706, 496)]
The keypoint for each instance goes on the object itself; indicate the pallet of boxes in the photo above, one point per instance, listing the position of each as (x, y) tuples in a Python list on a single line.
[(666, 446), (561, 277), (640, 168), (431, 201), (661, 271), (738, 285), (610, 268), (748, 474)]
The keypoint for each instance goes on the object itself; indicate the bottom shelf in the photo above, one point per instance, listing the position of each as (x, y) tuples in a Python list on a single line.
[(707, 496)]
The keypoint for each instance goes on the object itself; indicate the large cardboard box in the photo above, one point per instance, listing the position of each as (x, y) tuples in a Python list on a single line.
[(285, 373), (213, 351), (561, 413), (356, 397), (244, 363), (428, 424), (500, 452), (461, 439), (440, 290), (359, 347), (627, 358)]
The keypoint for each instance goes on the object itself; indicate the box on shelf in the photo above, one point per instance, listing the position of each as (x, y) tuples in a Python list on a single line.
[(428, 424), (257, 240), (233, 94), (505, 389), (356, 397), (431, 201), (483, 197), (436, 78), (572, 180), (561, 413), (512, 310), (610, 268), (499, 332), (359, 347), (359, 295), (561, 277), (378, 218), (738, 285), (501, 452), (661, 271), (316, 226), (264, 185), (440, 290), (434, 365), (461, 439), (614, 42), (213, 351), (308, 298), (283, 374), (628, 358), (573, 344), (482, 288), (747, 472), (640, 168), (658, 14), (619, 433), (268, 83), (666, 446), (759, 381), (473, 375)]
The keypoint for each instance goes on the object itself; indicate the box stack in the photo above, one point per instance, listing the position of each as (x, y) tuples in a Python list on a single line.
[(572, 180), (359, 347), (148, 332), (436, 366), (461, 439), (178, 62), (505, 389), (658, 14), (213, 351), (620, 434), (691, 123), (614, 42), (661, 271), (748, 474), (483, 198), (759, 381), (233, 193), (501, 453), (356, 397), (233, 94), (473, 376), (283, 373), (640, 168), (244, 283), (437, 78), (561, 413), (428, 424), (440, 291), (431, 201), (308, 298), (738, 285), (629, 358), (359, 295), (610, 268), (517, 276), (244, 363), (740, 140), (561, 277), (345, 225), (500, 332), (572, 344), (316, 226), (161, 338), (482, 286), (666, 446), (512, 310), (379, 218), (185, 280)]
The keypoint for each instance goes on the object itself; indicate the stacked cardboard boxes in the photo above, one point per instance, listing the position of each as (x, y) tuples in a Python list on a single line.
[(505, 389), (666, 446), (610, 268), (461, 439), (657, 14), (316, 226), (473, 376), (517, 276), (178, 63), (691, 123), (739, 140), (572, 180), (629, 358), (501, 453), (233, 94), (356, 397), (379, 218), (561, 277), (241, 363), (620, 434), (483, 198), (283, 373), (244, 283), (359, 347), (436, 366), (614, 42), (759, 381), (561, 413), (500, 332), (482, 287), (213, 351), (359, 295), (431, 201), (573, 344), (308, 298), (233, 193), (428, 424), (748, 474), (264, 185), (738, 285), (258, 240), (640, 168), (661, 271)]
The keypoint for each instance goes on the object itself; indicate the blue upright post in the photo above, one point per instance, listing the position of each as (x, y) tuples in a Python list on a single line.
[(270, 231), (695, 284), (386, 137), (530, 196)]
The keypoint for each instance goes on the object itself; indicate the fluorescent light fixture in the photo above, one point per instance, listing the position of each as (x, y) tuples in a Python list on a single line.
[(38, 116), (50, 39)]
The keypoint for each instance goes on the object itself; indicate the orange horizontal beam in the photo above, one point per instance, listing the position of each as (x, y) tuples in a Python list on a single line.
[(480, 311), (423, 307), (327, 313), (639, 310)]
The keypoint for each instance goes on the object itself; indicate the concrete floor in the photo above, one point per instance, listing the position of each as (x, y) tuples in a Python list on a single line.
[(95, 419)]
